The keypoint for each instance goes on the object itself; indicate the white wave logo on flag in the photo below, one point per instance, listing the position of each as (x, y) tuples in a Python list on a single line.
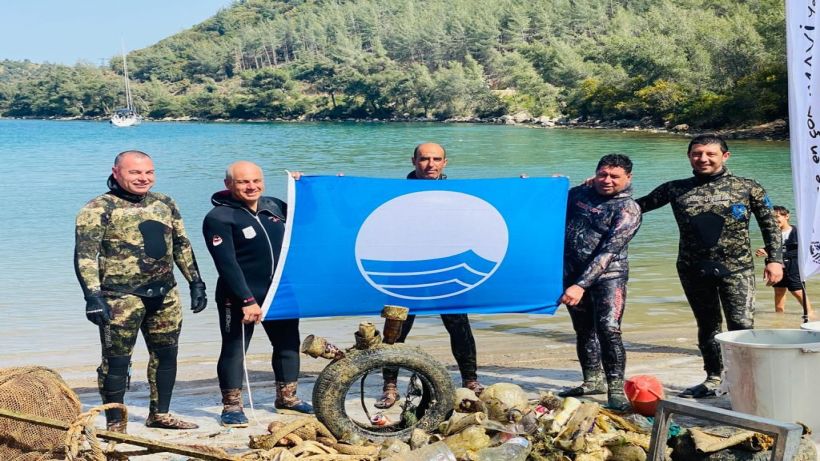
[(431, 245)]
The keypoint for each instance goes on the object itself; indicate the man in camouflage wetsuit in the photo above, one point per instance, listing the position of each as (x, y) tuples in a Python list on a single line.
[(713, 209), (127, 241), (602, 218)]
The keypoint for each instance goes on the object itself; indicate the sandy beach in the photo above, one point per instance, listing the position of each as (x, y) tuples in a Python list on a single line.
[(510, 349)]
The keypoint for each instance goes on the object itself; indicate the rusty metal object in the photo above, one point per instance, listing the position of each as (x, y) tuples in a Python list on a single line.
[(367, 336), (394, 317), (316, 346)]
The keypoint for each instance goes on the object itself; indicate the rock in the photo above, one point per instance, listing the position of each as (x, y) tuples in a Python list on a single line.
[(461, 120), (543, 121), (680, 128), (777, 129), (506, 120), (522, 117)]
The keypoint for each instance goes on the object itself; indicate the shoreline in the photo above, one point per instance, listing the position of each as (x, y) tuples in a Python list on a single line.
[(511, 350), (776, 130)]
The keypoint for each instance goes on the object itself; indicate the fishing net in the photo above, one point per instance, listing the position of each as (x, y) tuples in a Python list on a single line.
[(36, 391), (34, 456)]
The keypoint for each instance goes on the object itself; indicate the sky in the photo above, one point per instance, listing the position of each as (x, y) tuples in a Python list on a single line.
[(68, 31)]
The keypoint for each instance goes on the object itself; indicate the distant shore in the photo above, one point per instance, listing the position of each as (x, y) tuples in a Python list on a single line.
[(776, 130)]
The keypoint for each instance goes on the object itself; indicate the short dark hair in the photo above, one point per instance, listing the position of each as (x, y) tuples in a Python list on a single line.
[(781, 210), (615, 160), (122, 154), (708, 138), (416, 150)]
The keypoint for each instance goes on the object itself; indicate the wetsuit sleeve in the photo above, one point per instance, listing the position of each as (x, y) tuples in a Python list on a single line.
[(655, 199), (219, 240), (624, 226), (89, 232), (183, 252), (772, 237)]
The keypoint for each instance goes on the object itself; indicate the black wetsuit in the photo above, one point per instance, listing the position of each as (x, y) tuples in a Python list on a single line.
[(462, 342), (245, 247), (714, 253), (599, 229), (791, 271)]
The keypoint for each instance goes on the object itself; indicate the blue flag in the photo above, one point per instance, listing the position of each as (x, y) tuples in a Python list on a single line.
[(479, 246)]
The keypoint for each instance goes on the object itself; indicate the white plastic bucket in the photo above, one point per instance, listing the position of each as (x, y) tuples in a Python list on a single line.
[(774, 374), (813, 326)]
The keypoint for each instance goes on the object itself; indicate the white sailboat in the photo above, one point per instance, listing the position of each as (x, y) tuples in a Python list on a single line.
[(128, 115)]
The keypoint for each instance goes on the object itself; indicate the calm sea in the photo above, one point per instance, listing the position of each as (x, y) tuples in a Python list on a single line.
[(51, 168)]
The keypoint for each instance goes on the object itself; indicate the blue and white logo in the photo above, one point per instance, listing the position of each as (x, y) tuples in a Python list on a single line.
[(431, 244)]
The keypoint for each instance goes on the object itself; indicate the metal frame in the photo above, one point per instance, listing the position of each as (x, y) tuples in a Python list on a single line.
[(787, 435)]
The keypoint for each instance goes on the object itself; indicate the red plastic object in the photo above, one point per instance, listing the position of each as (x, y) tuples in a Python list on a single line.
[(644, 392), (379, 420)]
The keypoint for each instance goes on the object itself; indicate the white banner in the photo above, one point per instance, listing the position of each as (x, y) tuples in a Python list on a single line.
[(803, 45)]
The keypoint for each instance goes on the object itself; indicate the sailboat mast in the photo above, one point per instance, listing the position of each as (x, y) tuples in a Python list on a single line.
[(129, 103)]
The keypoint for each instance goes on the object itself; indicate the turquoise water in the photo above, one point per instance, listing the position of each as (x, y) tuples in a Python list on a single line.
[(51, 168)]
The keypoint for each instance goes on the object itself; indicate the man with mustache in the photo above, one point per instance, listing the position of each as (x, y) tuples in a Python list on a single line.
[(602, 217), (713, 210)]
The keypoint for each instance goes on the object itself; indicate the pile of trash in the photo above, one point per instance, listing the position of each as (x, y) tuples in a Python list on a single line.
[(504, 425), (501, 424)]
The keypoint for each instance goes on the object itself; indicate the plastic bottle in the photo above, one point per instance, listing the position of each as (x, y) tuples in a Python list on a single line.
[(438, 451), (515, 449)]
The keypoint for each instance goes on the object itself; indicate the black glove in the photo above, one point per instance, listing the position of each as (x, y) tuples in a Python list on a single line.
[(97, 310), (198, 297)]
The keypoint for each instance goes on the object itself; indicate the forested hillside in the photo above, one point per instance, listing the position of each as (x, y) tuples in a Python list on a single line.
[(707, 63)]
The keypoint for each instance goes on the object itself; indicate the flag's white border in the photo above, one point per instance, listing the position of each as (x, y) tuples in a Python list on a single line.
[(283, 253)]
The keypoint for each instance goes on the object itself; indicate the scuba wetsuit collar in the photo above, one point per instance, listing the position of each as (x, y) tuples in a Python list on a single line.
[(118, 191), (704, 178), (412, 175), (225, 198), (627, 192)]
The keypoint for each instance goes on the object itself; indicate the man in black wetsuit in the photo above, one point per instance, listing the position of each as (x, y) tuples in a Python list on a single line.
[(429, 161), (601, 220), (243, 233), (713, 209)]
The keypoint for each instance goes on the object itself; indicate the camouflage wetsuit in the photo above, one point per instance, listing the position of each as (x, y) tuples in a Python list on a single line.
[(714, 254), (599, 229), (126, 247), (462, 342)]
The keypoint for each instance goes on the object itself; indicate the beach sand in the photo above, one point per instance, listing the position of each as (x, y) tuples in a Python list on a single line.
[(510, 348)]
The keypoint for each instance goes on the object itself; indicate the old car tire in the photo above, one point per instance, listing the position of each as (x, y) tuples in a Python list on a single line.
[(334, 382)]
